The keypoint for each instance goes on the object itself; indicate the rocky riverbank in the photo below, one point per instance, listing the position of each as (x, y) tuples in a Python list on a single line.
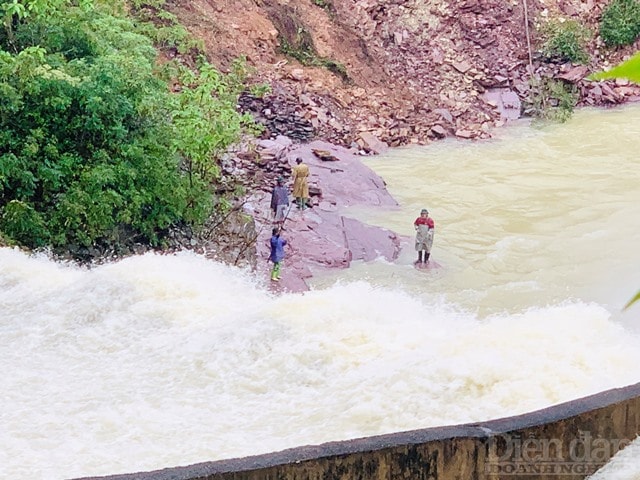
[(323, 236), (397, 72), (320, 238)]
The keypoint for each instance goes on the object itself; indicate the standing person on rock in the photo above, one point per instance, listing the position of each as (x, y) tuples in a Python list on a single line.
[(279, 203), (277, 244), (425, 228), (301, 183)]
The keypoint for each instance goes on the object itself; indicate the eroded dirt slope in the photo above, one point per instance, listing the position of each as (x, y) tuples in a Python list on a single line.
[(415, 69)]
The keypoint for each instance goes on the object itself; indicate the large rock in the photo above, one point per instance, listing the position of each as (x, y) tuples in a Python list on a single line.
[(575, 74), (372, 143), (505, 101), (271, 149), (367, 243)]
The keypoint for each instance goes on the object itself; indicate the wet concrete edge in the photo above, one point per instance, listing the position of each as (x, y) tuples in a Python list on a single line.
[(367, 444)]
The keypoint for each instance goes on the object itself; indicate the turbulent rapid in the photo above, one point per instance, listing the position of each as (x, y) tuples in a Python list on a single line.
[(165, 360)]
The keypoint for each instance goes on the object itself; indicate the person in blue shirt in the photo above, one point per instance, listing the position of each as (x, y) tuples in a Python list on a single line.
[(277, 253)]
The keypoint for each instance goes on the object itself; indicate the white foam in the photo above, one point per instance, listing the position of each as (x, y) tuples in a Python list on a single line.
[(624, 465), (157, 361)]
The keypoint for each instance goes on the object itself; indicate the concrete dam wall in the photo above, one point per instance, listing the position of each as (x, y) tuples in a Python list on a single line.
[(567, 441)]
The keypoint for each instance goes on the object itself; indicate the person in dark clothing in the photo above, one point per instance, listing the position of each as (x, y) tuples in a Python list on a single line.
[(277, 253), (279, 202)]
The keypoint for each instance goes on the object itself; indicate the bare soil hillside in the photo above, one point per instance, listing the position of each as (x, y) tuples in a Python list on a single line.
[(402, 71)]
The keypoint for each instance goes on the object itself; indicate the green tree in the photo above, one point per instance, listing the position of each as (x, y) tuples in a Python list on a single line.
[(93, 146), (205, 117)]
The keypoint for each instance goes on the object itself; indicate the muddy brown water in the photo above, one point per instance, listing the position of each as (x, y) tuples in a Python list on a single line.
[(537, 216), (159, 361)]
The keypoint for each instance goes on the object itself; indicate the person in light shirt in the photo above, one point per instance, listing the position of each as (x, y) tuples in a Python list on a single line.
[(425, 228)]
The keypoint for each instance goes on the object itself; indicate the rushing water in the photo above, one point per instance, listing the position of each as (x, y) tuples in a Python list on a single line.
[(158, 361), (545, 216), (625, 465)]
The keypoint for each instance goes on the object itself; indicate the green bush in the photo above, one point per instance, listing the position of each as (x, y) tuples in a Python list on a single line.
[(629, 69), (550, 99), (94, 149), (565, 41), (620, 22)]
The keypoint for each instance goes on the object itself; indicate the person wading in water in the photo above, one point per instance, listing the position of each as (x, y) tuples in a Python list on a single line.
[(425, 228)]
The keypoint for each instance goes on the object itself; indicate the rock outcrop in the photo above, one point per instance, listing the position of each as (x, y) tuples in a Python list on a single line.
[(324, 237)]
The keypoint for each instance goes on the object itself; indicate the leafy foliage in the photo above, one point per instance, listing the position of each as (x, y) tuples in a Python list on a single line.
[(165, 31), (565, 41), (323, 3), (629, 70), (635, 299), (94, 149), (551, 99), (620, 22), (206, 124)]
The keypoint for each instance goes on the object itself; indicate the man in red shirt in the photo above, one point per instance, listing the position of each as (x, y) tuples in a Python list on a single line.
[(425, 228)]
